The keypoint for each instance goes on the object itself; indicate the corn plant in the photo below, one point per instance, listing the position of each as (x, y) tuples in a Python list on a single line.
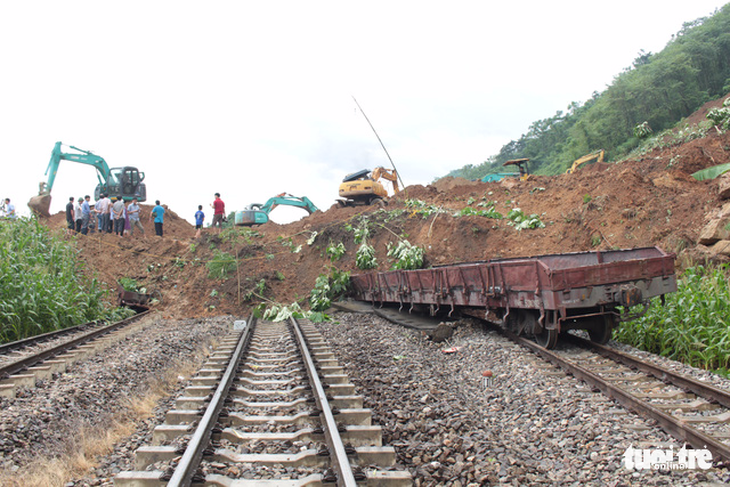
[(42, 286), (694, 324)]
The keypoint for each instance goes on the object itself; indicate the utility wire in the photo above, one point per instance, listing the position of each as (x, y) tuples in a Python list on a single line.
[(381, 142)]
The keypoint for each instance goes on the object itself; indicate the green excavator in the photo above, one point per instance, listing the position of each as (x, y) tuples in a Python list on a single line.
[(257, 214), (118, 181)]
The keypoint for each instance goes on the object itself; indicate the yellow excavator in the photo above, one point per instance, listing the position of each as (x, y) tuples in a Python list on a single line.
[(598, 156), (364, 188)]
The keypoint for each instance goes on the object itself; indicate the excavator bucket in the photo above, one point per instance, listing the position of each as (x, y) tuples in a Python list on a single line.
[(41, 204)]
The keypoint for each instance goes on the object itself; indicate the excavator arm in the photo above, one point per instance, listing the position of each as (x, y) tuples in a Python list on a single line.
[(124, 181), (85, 157), (289, 200), (257, 214), (42, 203), (598, 156), (387, 174)]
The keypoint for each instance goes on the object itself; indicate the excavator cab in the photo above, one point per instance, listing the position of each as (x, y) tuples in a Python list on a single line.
[(125, 182)]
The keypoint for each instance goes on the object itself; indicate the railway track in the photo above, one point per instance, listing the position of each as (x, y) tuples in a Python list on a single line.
[(24, 362), (270, 407), (690, 410)]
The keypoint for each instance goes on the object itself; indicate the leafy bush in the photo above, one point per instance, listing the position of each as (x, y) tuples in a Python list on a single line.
[(406, 256), (720, 117), (362, 232), (327, 288), (232, 233), (222, 265), (520, 221), (335, 252), (694, 324), (365, 257), (42, 286), (488, 213), (422, 208), (129, 284)]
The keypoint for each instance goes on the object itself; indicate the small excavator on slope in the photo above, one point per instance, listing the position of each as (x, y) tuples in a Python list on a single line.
[(118, 181), (258, 214), (364, 188), (598, 156)]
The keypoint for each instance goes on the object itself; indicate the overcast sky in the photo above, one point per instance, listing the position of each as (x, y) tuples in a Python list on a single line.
[(251, 99)]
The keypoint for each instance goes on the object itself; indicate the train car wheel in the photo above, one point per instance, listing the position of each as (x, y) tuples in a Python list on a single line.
[(601, 330), (547, 338)]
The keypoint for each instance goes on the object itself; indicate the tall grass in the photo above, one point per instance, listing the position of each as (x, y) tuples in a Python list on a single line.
[(41, 288), (694, 324)]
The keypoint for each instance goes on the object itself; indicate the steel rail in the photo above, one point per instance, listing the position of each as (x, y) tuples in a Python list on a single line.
[(707, 391), (338, 455), (18, 344), (190, 461), (671, 425), (22, 364)]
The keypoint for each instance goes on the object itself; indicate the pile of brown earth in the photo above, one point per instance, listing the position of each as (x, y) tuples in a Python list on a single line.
[(635, 203)]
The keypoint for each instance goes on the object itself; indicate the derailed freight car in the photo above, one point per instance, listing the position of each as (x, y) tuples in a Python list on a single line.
[(540, 296)]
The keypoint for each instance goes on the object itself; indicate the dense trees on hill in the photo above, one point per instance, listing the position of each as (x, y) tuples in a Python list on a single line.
[(659, 89)]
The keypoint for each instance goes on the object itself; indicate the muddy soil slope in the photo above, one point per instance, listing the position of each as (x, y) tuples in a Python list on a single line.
[(634, 203)]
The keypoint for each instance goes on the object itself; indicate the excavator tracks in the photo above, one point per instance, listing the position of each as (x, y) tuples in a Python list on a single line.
[(270, 407)]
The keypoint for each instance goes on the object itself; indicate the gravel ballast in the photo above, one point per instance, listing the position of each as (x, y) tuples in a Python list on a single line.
[(44, 422), (532, 426)]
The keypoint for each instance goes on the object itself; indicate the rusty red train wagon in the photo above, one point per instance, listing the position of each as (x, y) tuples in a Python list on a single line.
[(540, 295)]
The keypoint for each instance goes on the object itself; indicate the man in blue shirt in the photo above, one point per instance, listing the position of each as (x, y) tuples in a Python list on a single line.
[(158, 215), (85, 215)]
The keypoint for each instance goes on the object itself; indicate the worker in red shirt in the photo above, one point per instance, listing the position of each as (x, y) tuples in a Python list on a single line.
[(219, 211)]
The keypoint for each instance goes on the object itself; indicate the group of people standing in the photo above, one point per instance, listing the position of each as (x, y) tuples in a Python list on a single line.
[(112, 215)]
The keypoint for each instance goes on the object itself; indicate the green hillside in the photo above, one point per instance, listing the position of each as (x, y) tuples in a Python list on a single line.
[(659, 89)]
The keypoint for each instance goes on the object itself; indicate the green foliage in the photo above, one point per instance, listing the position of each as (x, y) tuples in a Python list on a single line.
[(328, 288), (655, 92), (222, 265), (41, 286), (489, 212), (362, 232), (520, 221), (289, 244), (643, 130), (365, 257), (258, 289), (129, 284), (419, 207), (406, 256), (233, 233), (694, 324), (720, 117), (587, 198), (335, 252)]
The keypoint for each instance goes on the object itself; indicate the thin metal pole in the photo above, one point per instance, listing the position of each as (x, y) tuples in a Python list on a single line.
[(381, 142)]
